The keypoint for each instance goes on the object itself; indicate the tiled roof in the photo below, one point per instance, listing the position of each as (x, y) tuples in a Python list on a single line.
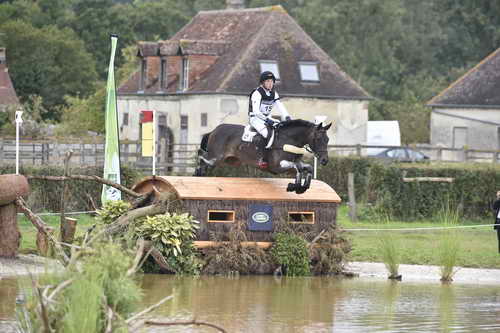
[(8, 95), (480, 86), (239, 39)]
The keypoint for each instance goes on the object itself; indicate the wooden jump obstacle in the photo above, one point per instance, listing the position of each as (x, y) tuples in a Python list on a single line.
[(253, 205), (11, 187)]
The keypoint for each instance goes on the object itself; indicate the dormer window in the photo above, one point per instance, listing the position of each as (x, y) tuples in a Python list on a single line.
[(271, 66), (163, 73), (184, 77), (309, 71)]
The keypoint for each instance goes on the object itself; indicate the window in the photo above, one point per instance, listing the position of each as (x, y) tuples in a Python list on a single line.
[(301, 217), (125, 119), (163, 73), (204, 119), (270, 65), (309, 71), (184, 77), (184, 122), (220, 216), (397, 153)]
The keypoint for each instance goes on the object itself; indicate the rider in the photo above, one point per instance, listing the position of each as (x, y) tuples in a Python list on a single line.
[(262, 100)]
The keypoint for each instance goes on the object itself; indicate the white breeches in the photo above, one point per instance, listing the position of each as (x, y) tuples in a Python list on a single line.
[(260, 126)]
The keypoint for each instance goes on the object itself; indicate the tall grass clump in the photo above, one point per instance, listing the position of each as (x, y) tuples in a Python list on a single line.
[(390, 250), (449, 243)]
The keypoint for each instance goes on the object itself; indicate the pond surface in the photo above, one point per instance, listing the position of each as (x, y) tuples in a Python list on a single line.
[(315, 304)]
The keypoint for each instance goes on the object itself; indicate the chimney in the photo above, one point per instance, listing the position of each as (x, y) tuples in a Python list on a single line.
[(3, 59), (235, 4)]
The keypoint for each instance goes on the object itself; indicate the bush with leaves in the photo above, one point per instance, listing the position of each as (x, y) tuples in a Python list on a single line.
[(173, 235), (291, 252), (112, 210)]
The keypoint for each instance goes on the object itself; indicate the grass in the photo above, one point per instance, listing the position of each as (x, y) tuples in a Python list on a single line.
[(478, 248), (28, 231)]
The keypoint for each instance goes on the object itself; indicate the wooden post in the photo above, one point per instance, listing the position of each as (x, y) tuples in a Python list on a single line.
[(9, 232), (352, 198), (68, 229)]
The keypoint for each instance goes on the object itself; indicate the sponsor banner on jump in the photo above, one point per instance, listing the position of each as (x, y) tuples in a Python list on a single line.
[(260, 218)]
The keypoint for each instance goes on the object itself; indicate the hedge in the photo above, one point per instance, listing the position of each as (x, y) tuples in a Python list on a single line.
[(82, 196), (381, 184), (472, 191)]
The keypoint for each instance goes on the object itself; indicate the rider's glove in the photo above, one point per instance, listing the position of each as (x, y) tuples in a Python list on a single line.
[(269, 122), (288, 118)]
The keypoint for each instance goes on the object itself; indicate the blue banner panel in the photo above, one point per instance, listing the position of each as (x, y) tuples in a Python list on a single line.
[(260, 218)]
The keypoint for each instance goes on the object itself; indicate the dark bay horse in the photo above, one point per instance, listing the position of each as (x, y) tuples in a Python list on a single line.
[(224, 146)]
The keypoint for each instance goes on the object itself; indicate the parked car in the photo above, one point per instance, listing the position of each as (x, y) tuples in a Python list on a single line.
[(402, 154)]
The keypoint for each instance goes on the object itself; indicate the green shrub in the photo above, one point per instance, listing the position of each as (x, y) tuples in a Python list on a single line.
[(112, 210), (173, 235), (291, 252)]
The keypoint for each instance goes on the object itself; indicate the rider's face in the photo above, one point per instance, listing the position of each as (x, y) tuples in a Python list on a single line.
[(268, 84)]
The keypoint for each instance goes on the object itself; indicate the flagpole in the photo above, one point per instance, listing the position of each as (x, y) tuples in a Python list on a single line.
[(19, 120), (112, 145), (154, 142)]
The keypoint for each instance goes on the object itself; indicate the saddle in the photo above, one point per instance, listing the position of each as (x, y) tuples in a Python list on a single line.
[(249, 133)]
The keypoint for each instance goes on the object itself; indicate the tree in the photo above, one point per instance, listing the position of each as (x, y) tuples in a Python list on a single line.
[(94, 21), (48, 62)]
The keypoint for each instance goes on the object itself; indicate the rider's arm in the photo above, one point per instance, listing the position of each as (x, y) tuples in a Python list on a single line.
[(281, 108), (256, 99)]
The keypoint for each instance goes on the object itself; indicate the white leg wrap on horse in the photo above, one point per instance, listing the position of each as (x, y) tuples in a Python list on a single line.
[(209, 162), (287, 164)]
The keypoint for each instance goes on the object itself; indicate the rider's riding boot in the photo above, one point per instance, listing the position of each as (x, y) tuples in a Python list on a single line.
[(260, 144)]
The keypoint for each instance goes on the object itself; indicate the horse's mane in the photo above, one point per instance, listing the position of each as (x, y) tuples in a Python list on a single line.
[(296, 123)]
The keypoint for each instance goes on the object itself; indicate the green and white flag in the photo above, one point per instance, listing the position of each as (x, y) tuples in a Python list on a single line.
[(112, 151)]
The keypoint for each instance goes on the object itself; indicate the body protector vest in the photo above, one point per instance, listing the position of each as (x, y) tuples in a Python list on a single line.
[(266, 103)]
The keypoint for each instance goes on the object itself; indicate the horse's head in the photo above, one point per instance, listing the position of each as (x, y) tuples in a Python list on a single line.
[(318, 142)]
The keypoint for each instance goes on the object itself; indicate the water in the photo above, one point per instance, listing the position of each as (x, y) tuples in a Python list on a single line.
[(315, 304)]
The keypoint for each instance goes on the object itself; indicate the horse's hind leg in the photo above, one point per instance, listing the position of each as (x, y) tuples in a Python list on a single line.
[(204, 164)]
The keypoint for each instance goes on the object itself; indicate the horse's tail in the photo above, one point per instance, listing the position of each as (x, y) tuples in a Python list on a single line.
[(201, 170), (204, 144)]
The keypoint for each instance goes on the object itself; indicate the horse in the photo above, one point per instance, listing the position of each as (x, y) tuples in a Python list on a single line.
[(224, 145)]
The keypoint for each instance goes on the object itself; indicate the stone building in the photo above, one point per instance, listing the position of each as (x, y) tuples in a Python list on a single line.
[(467, 113), (202, 76)]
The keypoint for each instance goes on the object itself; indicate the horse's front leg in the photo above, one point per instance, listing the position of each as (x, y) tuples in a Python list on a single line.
[(303, 175)]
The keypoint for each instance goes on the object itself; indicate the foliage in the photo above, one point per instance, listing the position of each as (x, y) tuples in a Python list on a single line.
[(112, 210), (449, 245), (49, 62), (168, 230), (291, 252), (389, 248), (233, 259), (330, 254), (82, 306)]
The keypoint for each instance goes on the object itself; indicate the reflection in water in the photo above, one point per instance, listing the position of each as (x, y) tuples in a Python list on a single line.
[(314, 304), (8, 293), (323, 304)]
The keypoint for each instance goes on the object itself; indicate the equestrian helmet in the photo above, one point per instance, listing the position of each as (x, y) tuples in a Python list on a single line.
[(266, 76)]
